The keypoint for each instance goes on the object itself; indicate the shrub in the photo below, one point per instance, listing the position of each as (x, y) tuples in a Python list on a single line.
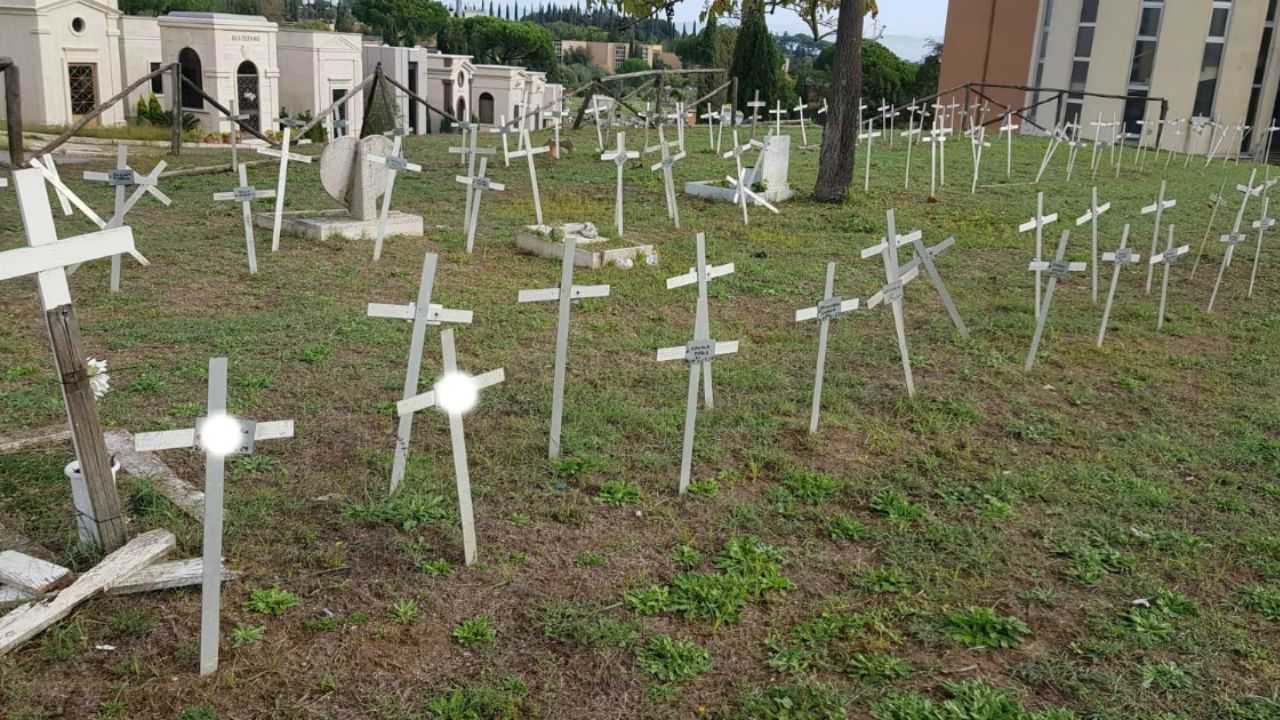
[(673, 660)]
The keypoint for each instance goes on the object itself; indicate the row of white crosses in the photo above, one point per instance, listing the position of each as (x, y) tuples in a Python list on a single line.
[(470, 152), (667, 165), (619, 157), (1237, 235)]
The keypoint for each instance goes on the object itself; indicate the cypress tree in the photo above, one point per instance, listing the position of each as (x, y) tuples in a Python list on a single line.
[(757, 62)]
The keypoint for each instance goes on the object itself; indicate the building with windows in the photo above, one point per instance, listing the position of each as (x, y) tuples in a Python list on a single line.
[(1210, 60), (611, 55)]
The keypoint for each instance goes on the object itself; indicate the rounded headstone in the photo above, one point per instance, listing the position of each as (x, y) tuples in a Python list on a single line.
[(337, 161)]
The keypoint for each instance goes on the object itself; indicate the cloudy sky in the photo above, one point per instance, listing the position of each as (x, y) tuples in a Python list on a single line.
[(919, 18)]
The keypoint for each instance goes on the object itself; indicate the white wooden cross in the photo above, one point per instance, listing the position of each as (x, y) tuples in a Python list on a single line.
[(830, 308), (1237, 235), (1262, 224), (234, 119), (911, 133), (1199, 125), (456, 393), (680, 115), (423, 314), (1170, 256), (892, 292), (476, 185), (619, 157), (666, 165), (1095, 211), (978, 140), (66, 199), (565, 293), (924, 256), (699, 352), (1124, 255), (1097, 142), (281, 176), (804, 133), (1177, 126), (557, 116), (1057, 268), (887, 114), (597, 121), (1059, 134), (121, 178), (937, 140), (47, 257), (870, 136), (1215, 202), (463, 150), (1158, 207), (1007, 130), (1270, 134), (727, 117), (742, 192), (528, 153), (245, 194), (217, 435), (647, 114), (1037, 223), (1074, 143), (710, 116), (777, 112), (469, 152), (755, 105), (702, 320), (504, 130), (395, 163)]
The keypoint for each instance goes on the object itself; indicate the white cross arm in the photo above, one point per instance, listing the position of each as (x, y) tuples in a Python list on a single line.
[(466, 150), (691, 277), (911, 274), (1168, 255), (483, 183), (436, 314), (390, 162), (186, 438), (531, 151), (257, 195), (903, 240), (1111, 257), (811, 313), (1031, 224), (1264, 223), (428, 399), (272, 152), (1045, 265), (83, 248), (1159, 206), (1091, 214), (680, 352), (51, 177), (741, 188), (577, 292)]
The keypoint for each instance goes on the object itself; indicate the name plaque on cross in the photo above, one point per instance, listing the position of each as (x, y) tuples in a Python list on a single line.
[(830, 309), (480, 183), (248, 431), (1059, 268), (1124, 255), (120, 177), (397, 164), (700, 351), (244, 194), (893, 291), (1171, 255)]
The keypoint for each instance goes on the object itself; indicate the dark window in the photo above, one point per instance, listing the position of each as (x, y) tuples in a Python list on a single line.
[(157, 82), (486, 108), (82, 81), (1144, 61), (189, 61), (413, 88), (1084, 41), (1206, 88), (1079, 75), (1089, 11)]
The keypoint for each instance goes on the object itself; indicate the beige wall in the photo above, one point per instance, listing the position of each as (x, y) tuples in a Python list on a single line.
[(316, 64)]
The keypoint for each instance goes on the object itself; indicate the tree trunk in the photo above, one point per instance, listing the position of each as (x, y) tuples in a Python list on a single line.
[(840, 131)]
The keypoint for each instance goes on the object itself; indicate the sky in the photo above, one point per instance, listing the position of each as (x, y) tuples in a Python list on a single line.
[(917, 18)]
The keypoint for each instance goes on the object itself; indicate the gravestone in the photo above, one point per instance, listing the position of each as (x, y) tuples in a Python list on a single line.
[(770, 170), (351, 178)]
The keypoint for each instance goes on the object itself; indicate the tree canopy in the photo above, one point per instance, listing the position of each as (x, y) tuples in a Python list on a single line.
[(495, 41), (757, 62), (402, 22)]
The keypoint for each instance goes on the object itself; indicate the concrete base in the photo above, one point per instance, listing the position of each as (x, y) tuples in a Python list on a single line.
[(588, 257), (336, 224), (722, 191)]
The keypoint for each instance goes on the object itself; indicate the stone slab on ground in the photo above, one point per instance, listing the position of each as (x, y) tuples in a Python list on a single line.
[(592, 257), (328, 224)]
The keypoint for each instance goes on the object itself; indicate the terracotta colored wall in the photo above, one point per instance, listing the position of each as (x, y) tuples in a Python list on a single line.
[(990, 41)]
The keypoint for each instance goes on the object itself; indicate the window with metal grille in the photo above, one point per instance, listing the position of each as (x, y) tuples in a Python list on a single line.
[(82, 82)]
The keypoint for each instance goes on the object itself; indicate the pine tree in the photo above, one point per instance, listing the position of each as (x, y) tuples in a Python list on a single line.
[(757, 62)]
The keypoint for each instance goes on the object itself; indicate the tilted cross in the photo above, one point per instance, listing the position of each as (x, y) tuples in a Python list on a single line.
[(1124, 255), (470, 152), (245, 194), (804, 133), (281, 176), (892, 292), (476, 185), (1262, 224), (528, 154), (595, 113), (66, 199), (978, 141), (423, 314), (1097, 141), (619, 157), (121, 178), (699, 352), (566, 293), (1057, 268), (1158, 207), (830, 308), (47, 257), (504, 130), (216, 434), (710, 116), (456, 393), (395, 163), (924, 256), (1237, 235), (667, 166), (1215, 202), (870, 136), (742, 192), (887, 114), (1170, 256), (1095, 211), (1037, 223)]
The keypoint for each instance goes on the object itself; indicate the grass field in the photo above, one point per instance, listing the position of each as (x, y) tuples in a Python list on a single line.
[(1098, 538)]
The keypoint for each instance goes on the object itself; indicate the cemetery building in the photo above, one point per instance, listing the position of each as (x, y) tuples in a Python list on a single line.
[(1212, 59), (320, 67), (611, 55)]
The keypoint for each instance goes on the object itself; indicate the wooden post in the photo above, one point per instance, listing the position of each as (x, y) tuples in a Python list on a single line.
[(86, 429), (734, 100), (175, 104), (13, 114)]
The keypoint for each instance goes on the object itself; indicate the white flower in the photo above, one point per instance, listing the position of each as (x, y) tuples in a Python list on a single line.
[(99, 380)]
